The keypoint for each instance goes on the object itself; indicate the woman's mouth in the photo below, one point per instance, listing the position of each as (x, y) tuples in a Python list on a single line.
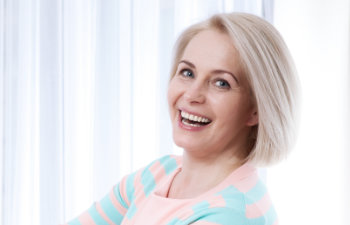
[(189, 119)]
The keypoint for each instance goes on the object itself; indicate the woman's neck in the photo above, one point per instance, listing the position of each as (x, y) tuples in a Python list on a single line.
[(200, 174)]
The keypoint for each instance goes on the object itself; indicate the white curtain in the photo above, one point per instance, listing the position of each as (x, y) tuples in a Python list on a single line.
[(313, 185), (83, 96)]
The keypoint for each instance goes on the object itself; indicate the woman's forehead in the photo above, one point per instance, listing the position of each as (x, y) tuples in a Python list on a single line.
[(212, 49)]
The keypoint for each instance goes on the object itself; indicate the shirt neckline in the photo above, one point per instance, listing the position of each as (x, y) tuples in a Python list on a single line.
[(234, 177)]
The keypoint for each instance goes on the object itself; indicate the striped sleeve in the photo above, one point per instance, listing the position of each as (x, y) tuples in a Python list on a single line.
[(259, 207), (111, 209), (250, 205), (123, 200)]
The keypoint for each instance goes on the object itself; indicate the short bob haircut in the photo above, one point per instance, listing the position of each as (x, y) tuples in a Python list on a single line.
[(269, 69)]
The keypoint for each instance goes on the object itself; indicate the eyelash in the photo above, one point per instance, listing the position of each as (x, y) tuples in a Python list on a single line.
[(226, 84), (186, 70)]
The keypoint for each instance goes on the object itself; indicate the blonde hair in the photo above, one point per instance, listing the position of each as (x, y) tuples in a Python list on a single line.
[(269, 68)]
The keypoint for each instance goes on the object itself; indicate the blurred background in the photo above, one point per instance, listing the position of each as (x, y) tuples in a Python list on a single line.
[(83, 101)]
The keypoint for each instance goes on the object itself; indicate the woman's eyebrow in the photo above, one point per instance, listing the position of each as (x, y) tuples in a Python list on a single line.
[(188, 63), (225, 71)]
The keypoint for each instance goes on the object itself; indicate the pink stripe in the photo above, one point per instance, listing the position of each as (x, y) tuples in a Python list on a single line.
[(139, 192), (103, 214), (178, 159), (247, 184), (122, 189), (275, 223), (86, 219), (218, 201), (202, 222), (116, 203), (187, 214), (126, 221), (157, 171), (258, 208)]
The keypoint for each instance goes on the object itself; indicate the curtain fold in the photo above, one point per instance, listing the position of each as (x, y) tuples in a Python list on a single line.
[(20, 146), (83, 97)]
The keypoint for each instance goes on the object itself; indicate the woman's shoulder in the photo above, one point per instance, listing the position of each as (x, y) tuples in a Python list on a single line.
[(245, 195), (249, 197), (170, 161), (158, 170)]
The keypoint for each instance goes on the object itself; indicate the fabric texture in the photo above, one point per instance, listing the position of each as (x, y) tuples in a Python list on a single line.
[(140, 198)]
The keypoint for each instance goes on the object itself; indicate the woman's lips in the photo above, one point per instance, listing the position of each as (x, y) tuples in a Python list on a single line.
[(192, 122)]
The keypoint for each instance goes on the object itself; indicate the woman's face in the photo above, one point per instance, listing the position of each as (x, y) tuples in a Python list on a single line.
[(209, 101)]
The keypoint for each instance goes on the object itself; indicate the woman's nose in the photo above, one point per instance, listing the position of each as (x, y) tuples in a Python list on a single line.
[(195, 93)]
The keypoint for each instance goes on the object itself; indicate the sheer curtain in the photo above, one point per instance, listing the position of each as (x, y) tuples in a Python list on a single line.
[(83, 96), (313, 185)]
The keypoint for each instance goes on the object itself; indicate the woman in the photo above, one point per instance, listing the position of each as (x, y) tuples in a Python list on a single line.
[(232, 99)]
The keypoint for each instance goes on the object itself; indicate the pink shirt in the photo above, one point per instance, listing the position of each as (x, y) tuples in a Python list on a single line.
[(141, 198)]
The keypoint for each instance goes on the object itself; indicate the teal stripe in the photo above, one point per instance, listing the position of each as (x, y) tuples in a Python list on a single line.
[(112, 213), (224, 216), (131, 211), (268, 219), (119, 197), (74, 222), (169, 164), (256, 193), (229, 192), (173, 221), (200, 206), (199, 210), (234, 199), (130, 188), (96, 216), (148, 181)]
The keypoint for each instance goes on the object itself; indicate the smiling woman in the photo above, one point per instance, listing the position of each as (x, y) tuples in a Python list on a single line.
[(261, 65), (233, 104), (205, 85)]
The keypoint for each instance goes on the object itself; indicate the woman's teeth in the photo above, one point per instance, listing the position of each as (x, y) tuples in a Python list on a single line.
[(193, 118), (184, 121)]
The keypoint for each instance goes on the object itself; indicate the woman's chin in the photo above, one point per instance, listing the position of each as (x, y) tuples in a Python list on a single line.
[(190, 146)]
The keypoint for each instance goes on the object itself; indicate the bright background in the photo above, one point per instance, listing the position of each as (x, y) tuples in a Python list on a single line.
[(83, 101), (313, 185)]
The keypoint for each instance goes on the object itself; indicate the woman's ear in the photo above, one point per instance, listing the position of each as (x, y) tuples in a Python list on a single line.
[(253, 118)]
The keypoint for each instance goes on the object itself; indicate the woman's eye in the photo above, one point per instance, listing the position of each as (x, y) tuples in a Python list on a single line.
[(222, 84), (186, 73)]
